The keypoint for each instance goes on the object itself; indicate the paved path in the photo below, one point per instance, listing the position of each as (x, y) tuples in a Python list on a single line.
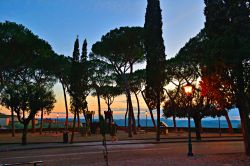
[(16, 147), (206, 154)]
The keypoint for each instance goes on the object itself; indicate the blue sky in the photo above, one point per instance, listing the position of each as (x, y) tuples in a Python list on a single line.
[(60, 21)]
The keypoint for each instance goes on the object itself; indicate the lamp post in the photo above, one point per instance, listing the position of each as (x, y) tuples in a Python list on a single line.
[(57, 115), (189, 91), (146, 113)]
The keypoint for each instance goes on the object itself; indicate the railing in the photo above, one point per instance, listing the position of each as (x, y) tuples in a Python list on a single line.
[(35, 163)]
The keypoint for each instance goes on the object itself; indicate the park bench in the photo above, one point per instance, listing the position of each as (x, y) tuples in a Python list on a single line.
[(35, 163), (163, 128), (179, 131)]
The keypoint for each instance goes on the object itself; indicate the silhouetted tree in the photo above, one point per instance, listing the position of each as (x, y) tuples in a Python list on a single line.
[(74, 86), (155, 55), (100, 73), (228, 29), (61, 69), (23, 59), (47, 103), (78, 88), (122, 48), (10, 100), (137, 84)]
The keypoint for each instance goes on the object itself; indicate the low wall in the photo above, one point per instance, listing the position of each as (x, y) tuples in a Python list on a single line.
[(185, 129), (170, 129)]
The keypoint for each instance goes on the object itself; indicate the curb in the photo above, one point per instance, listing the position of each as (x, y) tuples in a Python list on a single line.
[(126, 142)]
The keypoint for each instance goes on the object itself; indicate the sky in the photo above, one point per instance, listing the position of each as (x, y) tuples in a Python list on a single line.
[(60, 21)]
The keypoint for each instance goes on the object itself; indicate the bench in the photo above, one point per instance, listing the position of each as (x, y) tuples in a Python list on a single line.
[(163, 128), (35, 163)]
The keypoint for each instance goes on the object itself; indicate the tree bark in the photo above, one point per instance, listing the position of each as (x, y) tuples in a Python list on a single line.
[(99, 105), (25, 131), (138, 115), (158, 116), (41, 125), (12, 122), (242, 103), (150, 111), (126, 115), (197, 122), (130, 110), (245, 123), (33, 125), (174, 121), (66, 107), (73, 128), (230, 128), (78, 120), (134, 123)]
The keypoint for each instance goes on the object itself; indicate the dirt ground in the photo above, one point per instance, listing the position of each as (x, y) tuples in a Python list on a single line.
[(52, 137)]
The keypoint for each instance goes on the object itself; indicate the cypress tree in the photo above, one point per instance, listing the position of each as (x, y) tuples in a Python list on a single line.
[(155, 55), (76, 52), (84, 51), (75, 84)]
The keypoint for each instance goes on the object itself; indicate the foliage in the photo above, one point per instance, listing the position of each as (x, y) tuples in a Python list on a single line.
[(121, 49), (108, 93), (201, 106), (155, 56), (227, 28), (154, 48)]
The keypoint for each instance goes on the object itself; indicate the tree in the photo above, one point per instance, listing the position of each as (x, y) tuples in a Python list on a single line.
[(108, 93), (137, 83), (74, 86), (47, 103), (100, 73), (155, 55), (23, 63), (122, 48), (228, 27), (84, 79), (78, 83), (188, 66), (10, 101), (201, 107), (61, 70)]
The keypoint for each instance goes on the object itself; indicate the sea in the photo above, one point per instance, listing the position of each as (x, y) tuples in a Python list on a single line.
[(211, 123)]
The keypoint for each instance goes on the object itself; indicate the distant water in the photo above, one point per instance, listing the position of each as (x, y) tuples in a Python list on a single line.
[(180, 123)]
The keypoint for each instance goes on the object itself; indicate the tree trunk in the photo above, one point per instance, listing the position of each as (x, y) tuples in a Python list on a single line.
[(25, 131), (230, 128), (158, 116), (130, 110), (197, 122), (41, 124), (12, 122), (245, 123), (151, 113), (242, 102), (23, 115), (134, 123), (174, 121), (33, 125), (66, 107), (99, 105), (73, 128), (78, 120), (138, 115), (126, 115)]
